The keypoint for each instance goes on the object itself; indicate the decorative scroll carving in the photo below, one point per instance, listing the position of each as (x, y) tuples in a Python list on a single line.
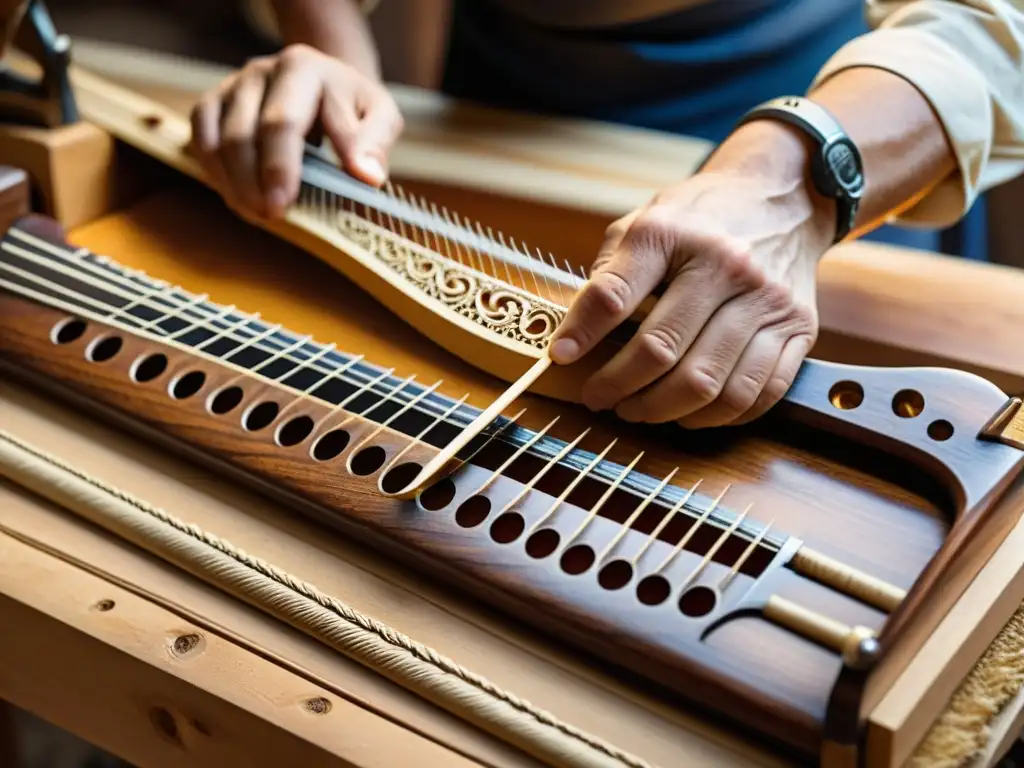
[(494, 304)]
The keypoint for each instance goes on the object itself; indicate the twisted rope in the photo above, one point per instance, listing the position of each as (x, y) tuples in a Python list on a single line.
[(364, 639)]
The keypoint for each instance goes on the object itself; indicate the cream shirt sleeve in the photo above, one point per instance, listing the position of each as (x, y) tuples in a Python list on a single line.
[(967, 58)]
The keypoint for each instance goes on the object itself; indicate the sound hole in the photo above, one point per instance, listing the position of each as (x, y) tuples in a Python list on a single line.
[(940, 430), (473, 511), (508, 528), (698, 601), (908, 403), (846, 395), (260, 416), (439, 495), (104, 350), (615, 575), (330, 445), (68, 330), (149, 367), (295, 431), (577, 559), (188, 385), (542, 543), (368, 460), (396, 478), (653, 590), (226, 400)]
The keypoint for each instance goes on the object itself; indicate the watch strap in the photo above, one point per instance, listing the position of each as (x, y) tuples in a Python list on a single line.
[(836, 165)]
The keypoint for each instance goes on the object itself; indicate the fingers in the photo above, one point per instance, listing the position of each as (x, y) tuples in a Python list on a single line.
[(659, 343), (239, 155), (703, 286), (625, 272), (697, 378), (787, 367), (728, 367), (205, 141), (289, 110), (249, 134), (364, 143), (726, 339), (742, 386)]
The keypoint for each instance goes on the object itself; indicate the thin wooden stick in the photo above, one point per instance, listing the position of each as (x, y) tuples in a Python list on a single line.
[(436, 465)]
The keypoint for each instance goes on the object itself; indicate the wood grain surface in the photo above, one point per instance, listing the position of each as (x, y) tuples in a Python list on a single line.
[(851, 493), (870, 275)]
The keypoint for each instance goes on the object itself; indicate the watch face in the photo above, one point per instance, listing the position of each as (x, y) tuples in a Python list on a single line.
[(842, 162)]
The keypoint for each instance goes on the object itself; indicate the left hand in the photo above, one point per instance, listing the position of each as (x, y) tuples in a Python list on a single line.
[(738, 246)]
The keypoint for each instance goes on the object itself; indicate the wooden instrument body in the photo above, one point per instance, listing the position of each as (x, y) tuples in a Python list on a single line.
[(757, 672), (875, 523)]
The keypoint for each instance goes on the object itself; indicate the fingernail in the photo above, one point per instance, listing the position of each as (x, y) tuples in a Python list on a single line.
[(372, 167), (564, 351)]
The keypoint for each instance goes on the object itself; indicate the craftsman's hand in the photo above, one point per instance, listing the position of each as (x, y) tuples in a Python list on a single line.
[(249, 132), (737, 246)]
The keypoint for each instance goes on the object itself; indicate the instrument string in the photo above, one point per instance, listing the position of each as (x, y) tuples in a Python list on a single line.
[(138, 290), (322, 181), (263, 338)]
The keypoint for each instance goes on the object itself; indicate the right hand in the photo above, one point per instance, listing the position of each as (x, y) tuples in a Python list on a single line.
[(249, 132)]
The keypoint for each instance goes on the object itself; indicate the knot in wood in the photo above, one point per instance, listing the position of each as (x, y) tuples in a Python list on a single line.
[(185, 643), (166, 724), (318, 705), (104, 605)]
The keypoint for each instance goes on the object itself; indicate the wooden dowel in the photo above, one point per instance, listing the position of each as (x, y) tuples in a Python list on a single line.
[(841, 577), (856, 644)]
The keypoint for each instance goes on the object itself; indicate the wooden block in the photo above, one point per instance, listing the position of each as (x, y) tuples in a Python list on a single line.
[(72, 169)]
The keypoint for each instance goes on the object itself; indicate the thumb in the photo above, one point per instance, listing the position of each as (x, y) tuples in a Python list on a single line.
[(621, 278)]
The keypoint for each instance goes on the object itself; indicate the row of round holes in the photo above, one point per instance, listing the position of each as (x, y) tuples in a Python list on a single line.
[(577, 559), (907, 404), (508, 527), (151, 366)]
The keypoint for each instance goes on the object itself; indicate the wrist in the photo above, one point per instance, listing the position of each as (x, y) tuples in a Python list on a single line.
[(779, 156), (336, 28)]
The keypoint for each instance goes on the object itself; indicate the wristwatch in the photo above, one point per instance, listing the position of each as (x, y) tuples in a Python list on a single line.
[(837, 170)]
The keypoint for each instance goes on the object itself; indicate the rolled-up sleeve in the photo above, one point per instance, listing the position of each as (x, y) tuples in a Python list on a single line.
[(967, 59)]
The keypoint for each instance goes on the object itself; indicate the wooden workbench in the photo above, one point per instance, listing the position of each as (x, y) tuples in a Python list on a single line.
[(154, 666)]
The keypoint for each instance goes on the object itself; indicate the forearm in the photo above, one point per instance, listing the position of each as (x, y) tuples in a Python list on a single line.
[(412, 36), (902, 142), (336, 27)]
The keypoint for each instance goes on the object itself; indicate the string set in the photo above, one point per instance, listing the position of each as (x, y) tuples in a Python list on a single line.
[(327, 193), (138, 291)]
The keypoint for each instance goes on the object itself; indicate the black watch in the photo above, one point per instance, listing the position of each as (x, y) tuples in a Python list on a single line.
[(836, 167)]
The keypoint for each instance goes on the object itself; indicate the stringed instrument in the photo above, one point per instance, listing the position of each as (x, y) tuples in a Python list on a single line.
[(788, 604)]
